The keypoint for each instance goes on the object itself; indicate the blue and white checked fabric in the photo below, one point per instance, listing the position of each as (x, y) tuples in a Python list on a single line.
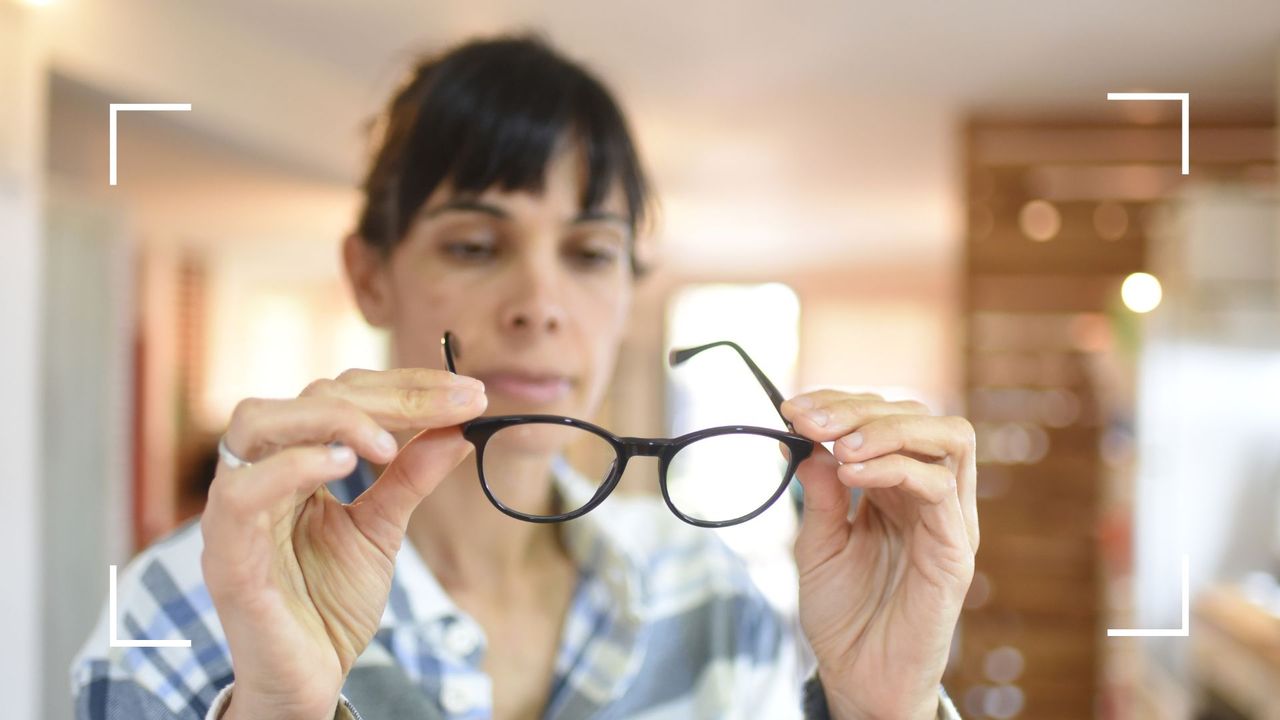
[(664, 623)]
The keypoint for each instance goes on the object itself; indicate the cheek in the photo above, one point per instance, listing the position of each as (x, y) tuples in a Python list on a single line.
[(605, 323), (607, 300), (424, 310)]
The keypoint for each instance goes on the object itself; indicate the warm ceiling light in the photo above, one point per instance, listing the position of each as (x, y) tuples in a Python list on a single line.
[(1141, 292), (1039, 220)]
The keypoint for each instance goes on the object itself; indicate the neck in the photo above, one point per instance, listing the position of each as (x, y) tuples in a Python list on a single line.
[(470, 546)]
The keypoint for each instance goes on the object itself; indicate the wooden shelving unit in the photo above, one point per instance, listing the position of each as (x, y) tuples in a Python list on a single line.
[(1059, 214)]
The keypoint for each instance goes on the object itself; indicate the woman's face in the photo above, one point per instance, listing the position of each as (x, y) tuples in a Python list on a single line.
[(535, 291)]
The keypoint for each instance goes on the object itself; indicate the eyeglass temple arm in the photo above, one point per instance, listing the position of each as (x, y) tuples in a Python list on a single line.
[(679, 355), (447, 344)]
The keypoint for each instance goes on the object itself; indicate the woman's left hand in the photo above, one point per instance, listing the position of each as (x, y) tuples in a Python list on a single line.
[(881, 591)]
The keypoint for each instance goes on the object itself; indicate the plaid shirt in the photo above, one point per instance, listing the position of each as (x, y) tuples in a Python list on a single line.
[(664, 623)]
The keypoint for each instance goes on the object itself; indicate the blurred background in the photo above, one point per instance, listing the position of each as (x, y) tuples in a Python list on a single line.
[(928, 200)]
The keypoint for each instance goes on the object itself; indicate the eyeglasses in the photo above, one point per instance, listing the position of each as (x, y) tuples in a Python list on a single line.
[(710, 478)]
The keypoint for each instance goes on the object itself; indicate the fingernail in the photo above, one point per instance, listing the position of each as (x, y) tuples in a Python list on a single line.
[(386, 443), (461, 396), (341, 454), (852, 441), (467, 381), (818, 417), (804, 402), (857, 467)]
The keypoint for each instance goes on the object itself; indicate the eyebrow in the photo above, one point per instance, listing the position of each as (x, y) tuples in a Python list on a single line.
[(472, 205)]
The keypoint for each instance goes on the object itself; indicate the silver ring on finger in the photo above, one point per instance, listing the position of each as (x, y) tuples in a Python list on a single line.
[(231, 460)]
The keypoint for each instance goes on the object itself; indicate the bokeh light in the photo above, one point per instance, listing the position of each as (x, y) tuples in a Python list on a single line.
[(1110, 220), (1141, 292), (1039, 220)]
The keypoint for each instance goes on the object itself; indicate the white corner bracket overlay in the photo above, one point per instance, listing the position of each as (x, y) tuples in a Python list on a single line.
[(1184, 98), (113, 637), (117, 107), (1184, 631)]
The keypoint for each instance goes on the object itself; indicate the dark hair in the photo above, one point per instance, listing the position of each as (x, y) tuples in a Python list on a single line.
[(492, 112)]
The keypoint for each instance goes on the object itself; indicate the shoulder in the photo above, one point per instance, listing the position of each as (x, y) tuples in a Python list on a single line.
[(160, 595)]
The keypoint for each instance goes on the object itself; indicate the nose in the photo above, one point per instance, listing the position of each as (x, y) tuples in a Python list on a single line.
[(535, 304)]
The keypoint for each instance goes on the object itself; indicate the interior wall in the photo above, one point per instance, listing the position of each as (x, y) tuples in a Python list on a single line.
[(892, 327), (198, 201), (87, 391), (23, 69)]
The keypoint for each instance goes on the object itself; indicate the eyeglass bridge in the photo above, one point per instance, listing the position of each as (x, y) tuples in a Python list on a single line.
[(646, 447)]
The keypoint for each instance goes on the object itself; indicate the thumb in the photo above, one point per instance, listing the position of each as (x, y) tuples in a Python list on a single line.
[(423, 462), (824, 524)]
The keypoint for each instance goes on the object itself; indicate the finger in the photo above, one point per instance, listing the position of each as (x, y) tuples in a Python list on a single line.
[(384, 509), (932, 486), (827, 396), (296, 471), (927, 483), (949, 560), (828, 415), (259, 427), (241, 524), (950, 438), (794, 409), (405, 378), (436, 405), (967, 487), (921, 435), (824, 521)]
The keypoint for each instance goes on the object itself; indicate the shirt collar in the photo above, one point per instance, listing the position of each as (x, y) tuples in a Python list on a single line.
[(594, 544)]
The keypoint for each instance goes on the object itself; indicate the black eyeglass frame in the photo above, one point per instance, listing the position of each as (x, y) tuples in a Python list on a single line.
[(480, 430)]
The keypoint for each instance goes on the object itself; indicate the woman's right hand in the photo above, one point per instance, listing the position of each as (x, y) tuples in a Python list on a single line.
[(300, 580)]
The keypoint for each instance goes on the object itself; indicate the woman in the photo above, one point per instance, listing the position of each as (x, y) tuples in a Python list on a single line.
[(503, 204)]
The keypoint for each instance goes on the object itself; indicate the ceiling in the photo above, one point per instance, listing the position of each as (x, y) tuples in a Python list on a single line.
[(796, 133), (984, 53)]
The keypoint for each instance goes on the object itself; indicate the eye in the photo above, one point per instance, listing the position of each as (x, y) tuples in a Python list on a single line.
[(594, 252), (469, 248), (596, 256)]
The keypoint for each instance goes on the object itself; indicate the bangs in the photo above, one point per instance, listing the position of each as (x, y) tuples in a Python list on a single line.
[(493, 114)]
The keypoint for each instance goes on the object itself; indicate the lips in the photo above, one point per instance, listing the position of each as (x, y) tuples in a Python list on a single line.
[(538, 388)]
